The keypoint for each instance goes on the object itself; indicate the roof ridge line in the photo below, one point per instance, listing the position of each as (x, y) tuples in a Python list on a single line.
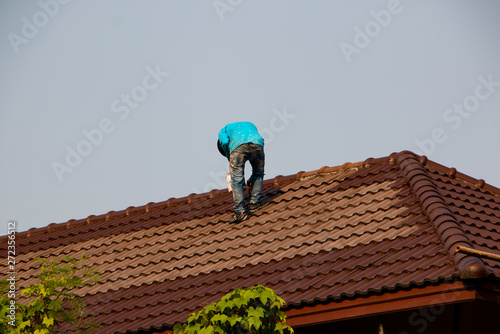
[(172, 202), (327, 170), (278, 180), (435, 208)]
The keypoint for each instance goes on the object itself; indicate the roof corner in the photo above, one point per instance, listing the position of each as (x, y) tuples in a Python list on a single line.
[(437, 211), (473, 268)]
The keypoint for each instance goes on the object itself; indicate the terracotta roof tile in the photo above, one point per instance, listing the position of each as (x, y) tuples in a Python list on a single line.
[(338, 232)]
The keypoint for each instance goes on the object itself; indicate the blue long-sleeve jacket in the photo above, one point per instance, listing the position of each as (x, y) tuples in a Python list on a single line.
[(236, 134)]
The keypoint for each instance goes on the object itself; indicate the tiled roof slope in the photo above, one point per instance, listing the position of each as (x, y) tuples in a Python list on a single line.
[(334, 233)]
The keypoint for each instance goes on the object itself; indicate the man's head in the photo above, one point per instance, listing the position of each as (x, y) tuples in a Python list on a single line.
[(219, 146)]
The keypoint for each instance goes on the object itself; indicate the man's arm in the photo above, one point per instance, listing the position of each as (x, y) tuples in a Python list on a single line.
[(224, 141)]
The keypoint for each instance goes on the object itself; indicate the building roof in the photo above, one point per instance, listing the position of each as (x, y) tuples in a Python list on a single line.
[(337, 233)]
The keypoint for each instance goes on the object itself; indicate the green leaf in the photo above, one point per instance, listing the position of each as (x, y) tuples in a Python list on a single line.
[(206, 330), (42, 331), (178, 329), (265, 296), (276, 304), (24, 324), (254, 316), (256, 312), (240, 302), (222, 318), (51, 298), (210, 308), (251, 310), (219, 330), (234, 320), (48, 321)]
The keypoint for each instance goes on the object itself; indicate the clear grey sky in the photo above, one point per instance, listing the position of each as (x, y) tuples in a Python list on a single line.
[(111, 104)]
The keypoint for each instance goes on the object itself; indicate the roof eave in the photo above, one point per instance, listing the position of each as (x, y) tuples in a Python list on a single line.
[(419, 297)]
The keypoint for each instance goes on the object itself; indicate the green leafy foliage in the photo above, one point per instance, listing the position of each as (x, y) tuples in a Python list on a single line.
[(51, 302), (256, 310)]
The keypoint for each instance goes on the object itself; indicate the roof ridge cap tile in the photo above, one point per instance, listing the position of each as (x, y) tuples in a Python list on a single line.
[(326, 170), (348, 166), (435, 208)]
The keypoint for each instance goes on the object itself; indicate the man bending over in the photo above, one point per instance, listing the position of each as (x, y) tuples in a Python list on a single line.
[(241, 142)]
